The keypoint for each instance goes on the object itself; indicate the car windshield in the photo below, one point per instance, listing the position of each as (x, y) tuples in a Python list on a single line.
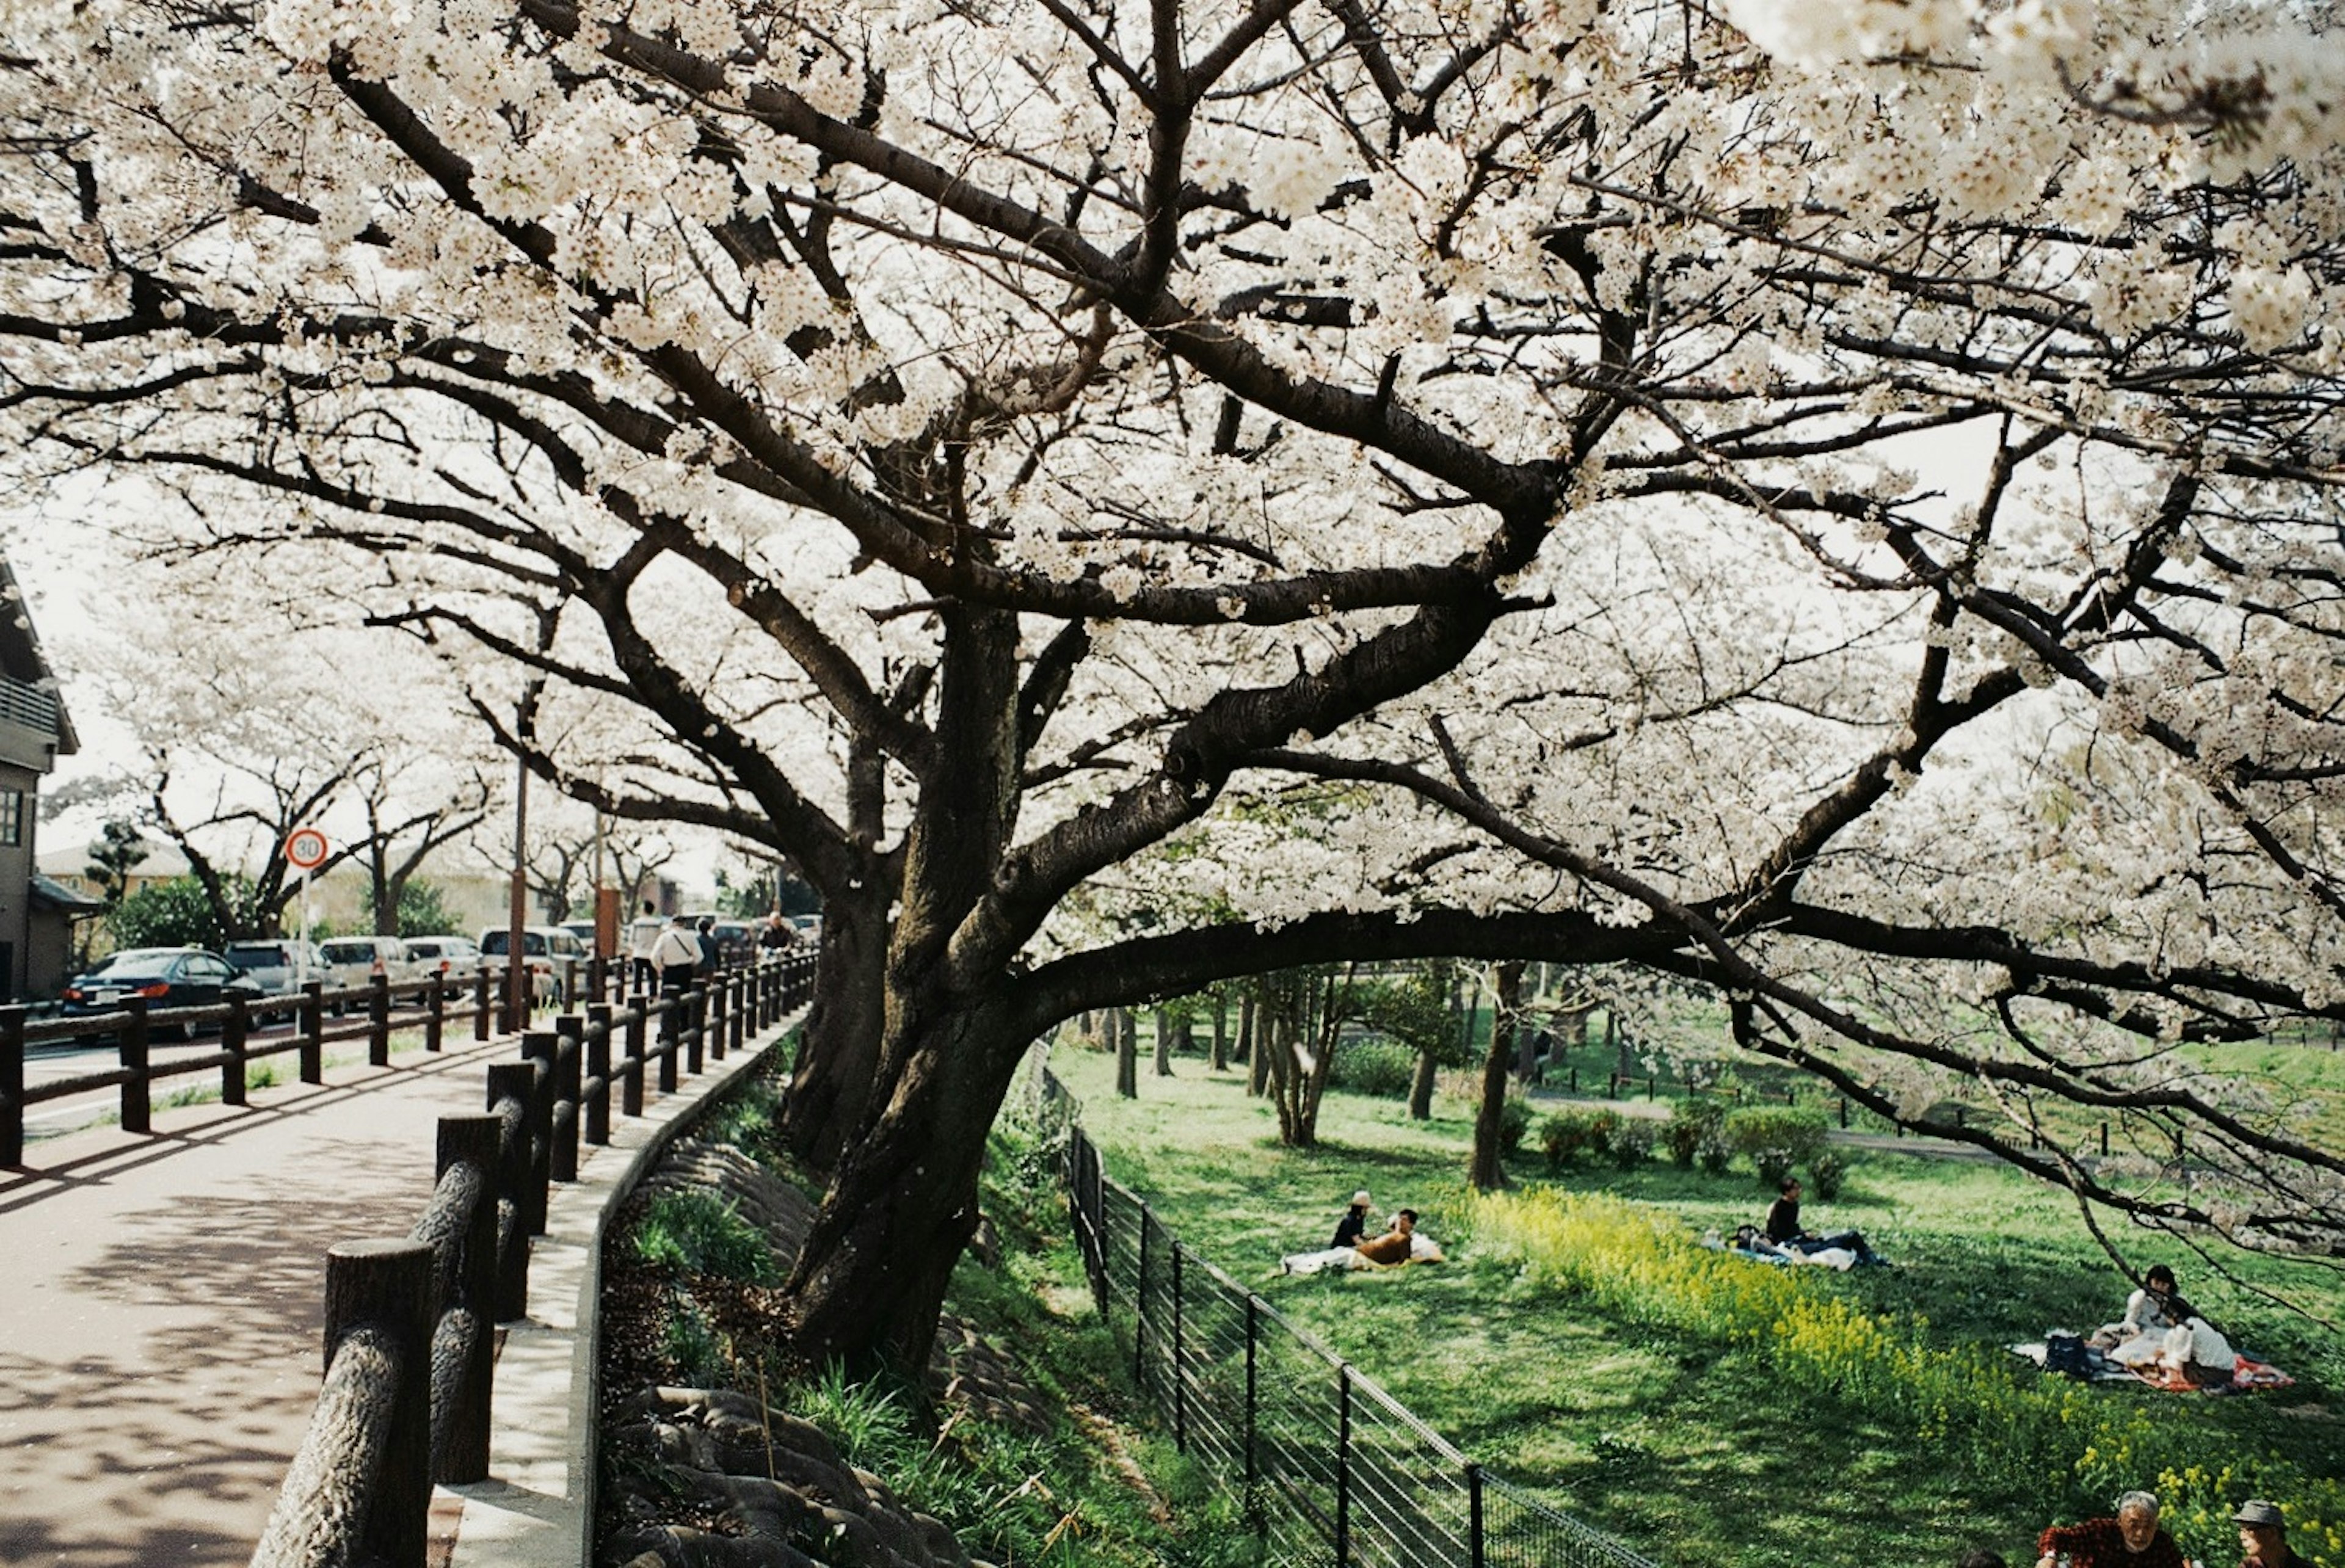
[(258, 957), (533, 942), (347, 952)]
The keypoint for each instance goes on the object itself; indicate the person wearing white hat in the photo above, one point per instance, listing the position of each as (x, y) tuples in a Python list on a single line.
[(1354, 1223), (2263, 1536)]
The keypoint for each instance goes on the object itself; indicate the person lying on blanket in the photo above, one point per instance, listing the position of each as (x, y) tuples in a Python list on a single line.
[(1400, 1244), (2200, 1354)]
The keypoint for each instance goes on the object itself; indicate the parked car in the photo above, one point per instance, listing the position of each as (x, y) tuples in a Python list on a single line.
[(547, 951), (355, 960), (278, 965), (165, 976), (441, 955)]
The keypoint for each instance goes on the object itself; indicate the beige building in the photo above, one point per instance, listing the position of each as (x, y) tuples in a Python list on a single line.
[(474, 898)]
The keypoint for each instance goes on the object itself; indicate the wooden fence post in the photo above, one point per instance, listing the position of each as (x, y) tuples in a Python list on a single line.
[(137, 1102), (568, 1032), (12, 1087), (464, 1453), (312, 1025), (481, 1003), (675, 1018), (598, 1067), (235, 1031), (435, 1012), (378, 1020), (509, 1085), (387, 1286), (631, 1101)]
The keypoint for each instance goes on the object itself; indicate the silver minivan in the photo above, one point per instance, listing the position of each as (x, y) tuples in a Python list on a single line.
[(354, 960), (278, 965), (427, 956)]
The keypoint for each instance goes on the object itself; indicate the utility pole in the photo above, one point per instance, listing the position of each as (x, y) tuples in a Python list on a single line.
[(517, 998)]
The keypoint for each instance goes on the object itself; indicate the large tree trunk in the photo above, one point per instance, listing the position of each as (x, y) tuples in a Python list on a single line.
[(838, 1049), (870, 1282), (1487, 1171)]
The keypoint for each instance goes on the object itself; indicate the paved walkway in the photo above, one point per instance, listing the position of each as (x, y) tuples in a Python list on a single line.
[(160, 1307)]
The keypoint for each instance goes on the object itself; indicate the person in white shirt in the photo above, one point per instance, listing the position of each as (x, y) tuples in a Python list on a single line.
[(675, 955)]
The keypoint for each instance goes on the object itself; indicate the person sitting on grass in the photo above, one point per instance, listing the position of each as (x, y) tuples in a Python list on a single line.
[(1404, 1243), (2263, 1537), (2131, 1540), (2149, 1312), (1783, 1229), (1354, 1223)]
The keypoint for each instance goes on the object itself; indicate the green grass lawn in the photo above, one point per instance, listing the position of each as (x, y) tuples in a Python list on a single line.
[(1691, 1450)]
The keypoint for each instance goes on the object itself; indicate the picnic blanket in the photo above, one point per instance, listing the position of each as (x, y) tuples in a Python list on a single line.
[(2249, 1374)]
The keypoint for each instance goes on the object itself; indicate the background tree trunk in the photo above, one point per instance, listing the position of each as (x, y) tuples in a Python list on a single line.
[(1252, 1043), (1220, 1061), (1163, 1043), (1127, 1051), (1487, 1172), (1420, 1088)]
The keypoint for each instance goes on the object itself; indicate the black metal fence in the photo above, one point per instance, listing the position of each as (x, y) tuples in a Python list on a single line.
[(1333, 1468)]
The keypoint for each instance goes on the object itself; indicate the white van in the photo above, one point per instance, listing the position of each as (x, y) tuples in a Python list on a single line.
[(549, 952), (355, 960), (429, 956)]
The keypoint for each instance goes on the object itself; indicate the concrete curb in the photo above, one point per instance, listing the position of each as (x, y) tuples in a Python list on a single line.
[(536, 1509)]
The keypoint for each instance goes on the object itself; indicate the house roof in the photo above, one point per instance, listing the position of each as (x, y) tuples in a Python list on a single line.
[(21, 658), (48, 893), (161, 862)]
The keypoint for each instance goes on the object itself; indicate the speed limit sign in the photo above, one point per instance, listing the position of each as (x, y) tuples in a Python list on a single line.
[(305, 849)]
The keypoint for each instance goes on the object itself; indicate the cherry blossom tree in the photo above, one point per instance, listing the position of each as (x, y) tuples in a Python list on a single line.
[(244, 740), (1834, 504)]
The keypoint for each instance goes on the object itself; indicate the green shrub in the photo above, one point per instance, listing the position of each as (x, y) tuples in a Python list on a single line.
[(699, 1233), (1373, 1064), (1827, 1172), (1692, 1125), (1567, 1135), (1632, 1142), (1777, 1139)]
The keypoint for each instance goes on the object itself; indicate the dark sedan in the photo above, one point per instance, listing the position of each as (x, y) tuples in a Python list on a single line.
[(165, 976)]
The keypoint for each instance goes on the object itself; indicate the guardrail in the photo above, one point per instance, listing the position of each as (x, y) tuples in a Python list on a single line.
[(410, 1323), (319, 1017), (1331, 1468)]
